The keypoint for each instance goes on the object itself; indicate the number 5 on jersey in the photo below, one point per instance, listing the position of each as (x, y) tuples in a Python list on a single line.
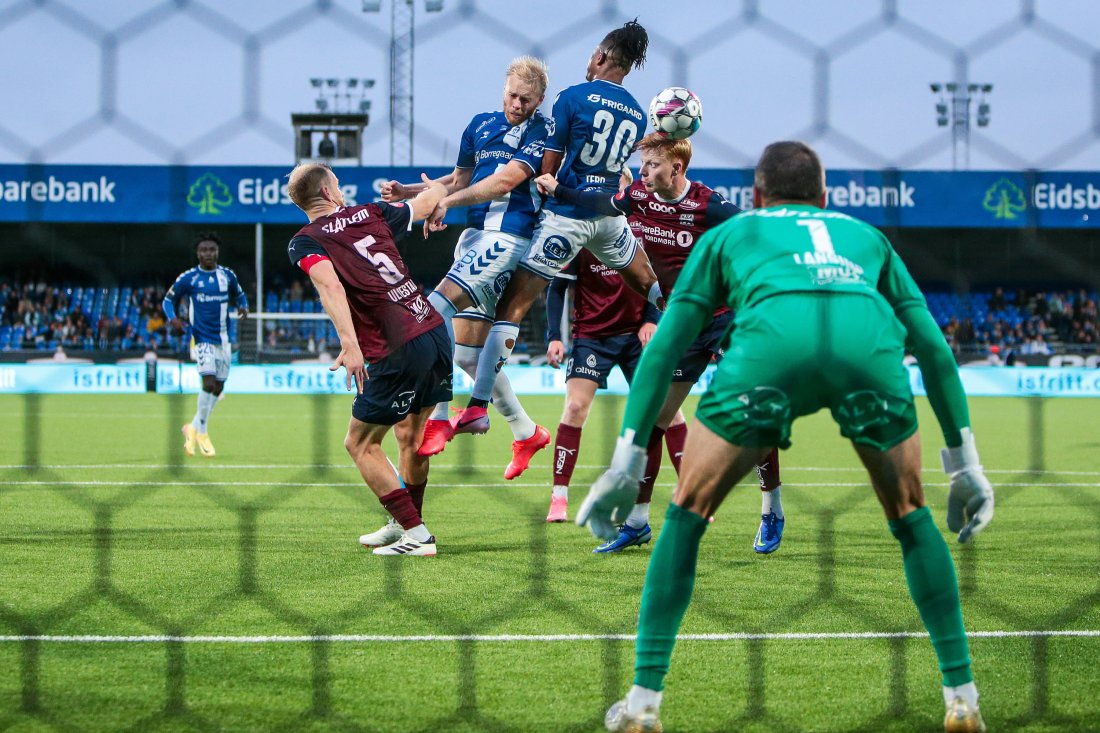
[(387, 270)]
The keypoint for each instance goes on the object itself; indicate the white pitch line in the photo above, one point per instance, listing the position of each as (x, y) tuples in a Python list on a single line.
[(480, 485), (519, 638), (489, 466)]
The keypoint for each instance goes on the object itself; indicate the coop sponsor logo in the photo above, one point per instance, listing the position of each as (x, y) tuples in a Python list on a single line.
[(52, 190)]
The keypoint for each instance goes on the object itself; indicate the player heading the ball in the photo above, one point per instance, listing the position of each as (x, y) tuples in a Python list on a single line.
[(590, 135)]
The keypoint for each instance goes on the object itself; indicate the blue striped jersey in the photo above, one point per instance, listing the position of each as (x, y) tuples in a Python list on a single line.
[(488, 144), (209, 293)]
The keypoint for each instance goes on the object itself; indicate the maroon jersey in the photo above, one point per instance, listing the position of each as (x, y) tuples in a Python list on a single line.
[(669, 229), (603, 304), (387, 307)]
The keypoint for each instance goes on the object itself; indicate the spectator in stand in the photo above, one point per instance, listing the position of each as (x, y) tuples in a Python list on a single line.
[(114, 333), (1036, 345), (997, 300), (1040, 305), (966, 334), (104, 341), (1054, 303), (154, 327)]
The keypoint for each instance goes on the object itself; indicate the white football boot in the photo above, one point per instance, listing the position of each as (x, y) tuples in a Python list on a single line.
[(406, 545), (390, 532)]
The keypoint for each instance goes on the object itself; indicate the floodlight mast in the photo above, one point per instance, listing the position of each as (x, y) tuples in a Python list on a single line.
[(402, 57), (960, 96)]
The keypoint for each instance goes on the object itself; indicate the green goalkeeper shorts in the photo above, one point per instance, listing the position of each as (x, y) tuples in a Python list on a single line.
[(793, 354)]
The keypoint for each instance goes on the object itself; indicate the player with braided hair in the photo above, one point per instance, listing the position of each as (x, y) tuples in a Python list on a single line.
[(590, 135)]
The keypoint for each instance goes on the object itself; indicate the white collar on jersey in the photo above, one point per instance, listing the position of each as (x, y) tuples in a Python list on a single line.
[(678, 199), (612, 83)]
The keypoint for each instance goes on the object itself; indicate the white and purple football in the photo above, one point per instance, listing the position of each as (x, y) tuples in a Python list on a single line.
[(676, 113)]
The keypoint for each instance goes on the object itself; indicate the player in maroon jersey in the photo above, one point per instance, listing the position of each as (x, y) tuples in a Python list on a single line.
[(611, 324), (668, 213), (393, 344)]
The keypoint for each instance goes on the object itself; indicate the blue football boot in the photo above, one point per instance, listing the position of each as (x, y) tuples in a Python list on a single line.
[(628, 536), (769, 535)]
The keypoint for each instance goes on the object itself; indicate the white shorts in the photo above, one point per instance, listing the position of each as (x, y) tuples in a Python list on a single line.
[(213, 359), (484, 263), (558, 239)]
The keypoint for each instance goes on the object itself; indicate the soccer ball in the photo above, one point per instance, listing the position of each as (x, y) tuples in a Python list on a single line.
[(676, 113)]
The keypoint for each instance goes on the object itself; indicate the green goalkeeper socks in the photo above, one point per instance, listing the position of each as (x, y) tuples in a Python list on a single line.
[(669, 582), (934, 588)]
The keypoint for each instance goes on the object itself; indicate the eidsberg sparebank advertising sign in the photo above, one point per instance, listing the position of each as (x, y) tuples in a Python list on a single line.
[(247, 194)]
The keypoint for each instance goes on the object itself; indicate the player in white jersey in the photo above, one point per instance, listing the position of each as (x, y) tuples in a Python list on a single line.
[(209, 289), (498, 157)]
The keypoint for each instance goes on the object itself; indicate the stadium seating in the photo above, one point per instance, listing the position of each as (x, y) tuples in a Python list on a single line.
[(1004, 326)]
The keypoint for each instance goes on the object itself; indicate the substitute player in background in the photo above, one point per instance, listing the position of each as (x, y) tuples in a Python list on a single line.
[(610, 326), (593, 129), (668, 213), (209, 287), (498, 156), (393, 344), (823, 305)]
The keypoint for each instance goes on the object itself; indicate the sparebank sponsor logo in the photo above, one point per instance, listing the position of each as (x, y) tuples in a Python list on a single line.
[(851, 195), (855, 196), (99, 190)]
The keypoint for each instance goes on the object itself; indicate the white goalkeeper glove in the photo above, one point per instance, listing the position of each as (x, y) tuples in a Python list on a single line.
[(612, 497), (970, 498)]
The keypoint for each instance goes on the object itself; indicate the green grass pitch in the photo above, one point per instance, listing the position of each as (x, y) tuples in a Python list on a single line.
[(106, 531)]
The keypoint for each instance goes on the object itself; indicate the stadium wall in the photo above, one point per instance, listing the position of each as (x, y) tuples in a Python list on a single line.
[(286, 379)]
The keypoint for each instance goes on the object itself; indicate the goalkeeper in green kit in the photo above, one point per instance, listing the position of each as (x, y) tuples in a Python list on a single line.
[(824, 310)]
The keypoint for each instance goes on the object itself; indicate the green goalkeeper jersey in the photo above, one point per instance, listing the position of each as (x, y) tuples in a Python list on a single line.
[(789, 249), (784, 250)]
